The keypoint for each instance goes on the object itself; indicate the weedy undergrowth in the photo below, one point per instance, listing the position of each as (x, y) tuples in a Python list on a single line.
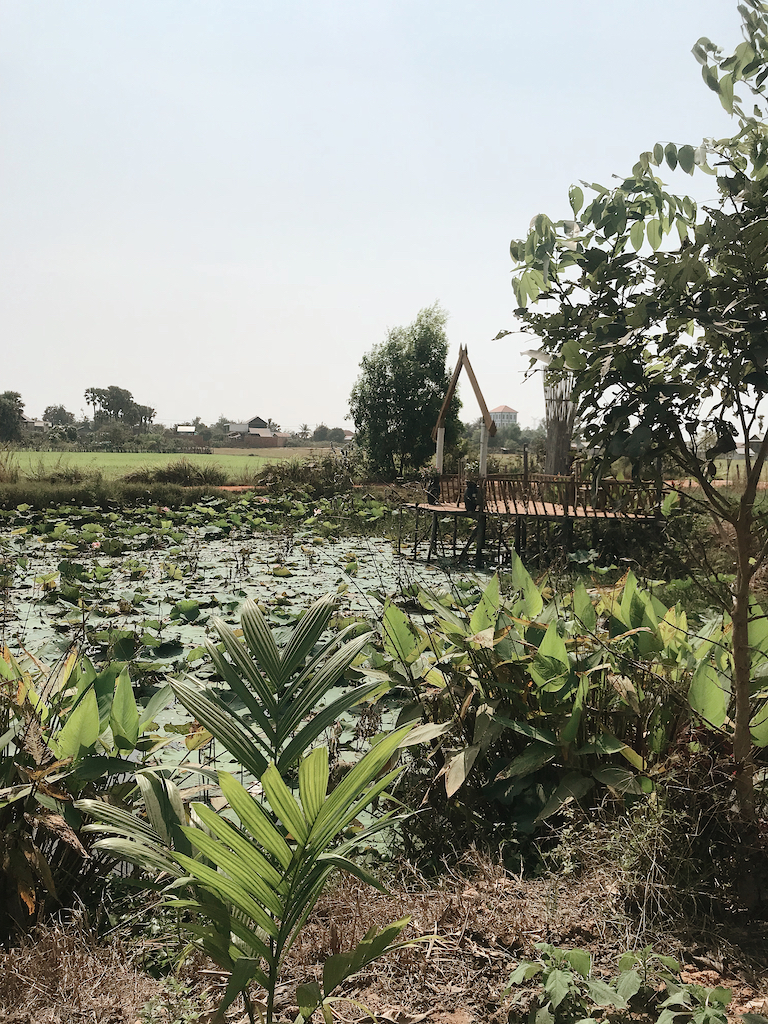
[(647, 983)]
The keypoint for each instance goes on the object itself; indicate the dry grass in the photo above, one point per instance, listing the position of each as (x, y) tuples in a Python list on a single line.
[(475, 924), (62, 976)]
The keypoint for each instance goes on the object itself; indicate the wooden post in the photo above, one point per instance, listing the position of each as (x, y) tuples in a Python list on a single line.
[(480, 544), (432, 549), (525, 466), (440, 449), (483, 450)]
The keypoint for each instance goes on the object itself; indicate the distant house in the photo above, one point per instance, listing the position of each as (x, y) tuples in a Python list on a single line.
[(33, 426), (256, 426), (255, 433), (503, 416)]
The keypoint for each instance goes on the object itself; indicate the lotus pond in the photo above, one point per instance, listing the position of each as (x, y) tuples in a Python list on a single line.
[(141, 584)]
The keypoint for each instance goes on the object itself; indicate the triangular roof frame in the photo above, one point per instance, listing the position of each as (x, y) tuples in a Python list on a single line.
[(487, 418)]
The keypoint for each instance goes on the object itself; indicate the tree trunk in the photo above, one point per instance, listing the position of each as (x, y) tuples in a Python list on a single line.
[(742, 667), (560, 412)]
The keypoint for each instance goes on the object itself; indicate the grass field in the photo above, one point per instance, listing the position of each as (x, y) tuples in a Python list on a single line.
[(236, 462)]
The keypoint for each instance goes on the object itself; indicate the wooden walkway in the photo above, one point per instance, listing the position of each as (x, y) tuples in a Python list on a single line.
[(518, 501)]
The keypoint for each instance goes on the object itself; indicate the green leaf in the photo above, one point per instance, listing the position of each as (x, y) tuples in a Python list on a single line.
[(620, 779), (124, 714), (602, 994), (658, 153), (573, 787), (576, 199), (459, 768), (725, 92), (686, 156), (573, 357), (637, 235), (557, 986), (535, 756), (81, 729), (164, 807), (580, 960), (707, 695), (758, 727), (308, 998), (255, 819), (653, 230), (400, 642), (670, 155), (583, 607), (486, 612), (628, 984), (284, 805), (313, 782)]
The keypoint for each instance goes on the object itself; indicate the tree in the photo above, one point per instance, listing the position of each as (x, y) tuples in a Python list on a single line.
[(320, 433), (397, 397), (11, 416), (58, 416), (668, 342), (114, 404)]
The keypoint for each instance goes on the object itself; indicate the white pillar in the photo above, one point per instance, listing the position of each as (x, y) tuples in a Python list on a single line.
[(483, 449), (440, 448)]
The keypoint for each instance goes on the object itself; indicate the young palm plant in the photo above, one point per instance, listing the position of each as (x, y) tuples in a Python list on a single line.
[(280, 689), (250, 887)]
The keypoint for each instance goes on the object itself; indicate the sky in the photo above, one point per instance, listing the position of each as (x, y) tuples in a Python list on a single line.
[(222, 205)]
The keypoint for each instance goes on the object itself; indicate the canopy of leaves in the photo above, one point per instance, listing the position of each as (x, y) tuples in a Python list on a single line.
[(11, 416), (397, 397)]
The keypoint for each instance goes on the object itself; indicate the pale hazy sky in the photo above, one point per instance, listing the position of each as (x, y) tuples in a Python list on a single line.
[(221, 205)]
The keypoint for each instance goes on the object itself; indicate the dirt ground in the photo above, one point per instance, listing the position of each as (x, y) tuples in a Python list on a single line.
[(474, 925)]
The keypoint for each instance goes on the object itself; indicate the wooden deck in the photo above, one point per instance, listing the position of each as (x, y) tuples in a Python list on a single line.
[(525, 499), (537, 509)]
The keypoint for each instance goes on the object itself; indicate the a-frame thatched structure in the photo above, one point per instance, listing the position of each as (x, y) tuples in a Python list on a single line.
[(488, 428)]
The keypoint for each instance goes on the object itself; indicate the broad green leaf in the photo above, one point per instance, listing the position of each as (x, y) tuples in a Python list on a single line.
[(425, 733), (686, 156), (81, 729), (124, 715), (572, 354), (532, 602), (399, 640), (653, 231), (583, 608), (628, 984), (459, 768), (637, 235), (708, 696), (758, 727), (532, 758), (580, 960), (556, 985), (308, 998), (670, 155), (576, 199), (602, 994), (486, 613), (620, 779), (573, 787)]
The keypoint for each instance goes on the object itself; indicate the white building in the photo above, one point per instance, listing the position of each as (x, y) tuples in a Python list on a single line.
[(503, 416)]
